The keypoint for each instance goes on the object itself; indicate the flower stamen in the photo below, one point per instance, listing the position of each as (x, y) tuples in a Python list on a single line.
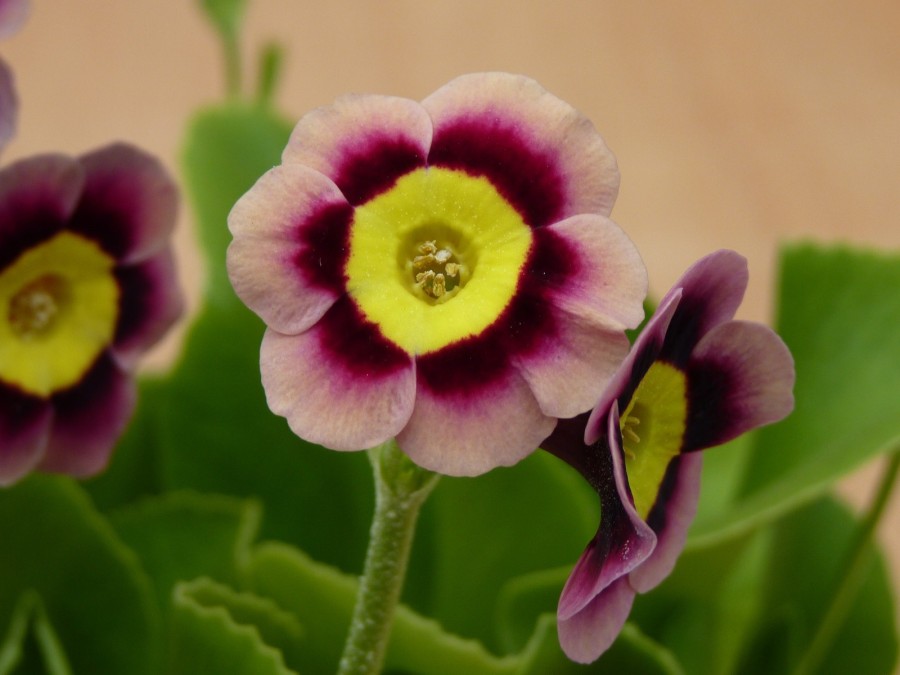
[(436, 271), (33, 310)]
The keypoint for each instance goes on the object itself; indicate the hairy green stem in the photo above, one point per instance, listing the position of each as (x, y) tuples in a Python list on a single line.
[(854, 571), (400, 490)]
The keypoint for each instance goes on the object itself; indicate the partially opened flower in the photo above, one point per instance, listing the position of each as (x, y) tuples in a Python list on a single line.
[(694, 379), (441, 272), (86, 285)]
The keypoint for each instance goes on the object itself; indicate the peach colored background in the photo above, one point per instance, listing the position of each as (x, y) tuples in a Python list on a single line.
[(736, 125)]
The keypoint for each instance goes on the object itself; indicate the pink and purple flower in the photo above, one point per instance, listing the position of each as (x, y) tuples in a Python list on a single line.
[(694, 379), (87, 284), (444, 273)]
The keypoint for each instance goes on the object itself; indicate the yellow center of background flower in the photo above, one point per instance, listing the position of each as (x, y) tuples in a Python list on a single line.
[(436, 258), (58, 310), (653, 427)]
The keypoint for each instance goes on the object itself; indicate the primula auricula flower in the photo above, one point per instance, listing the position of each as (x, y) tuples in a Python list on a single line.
[(87, 284), (694, 379), (441, 272)]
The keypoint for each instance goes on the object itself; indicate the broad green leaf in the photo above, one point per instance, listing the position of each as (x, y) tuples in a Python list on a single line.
[(322, 599), (97, 599), (802, 573), (277, 629), (31, 644), (838, 312), (209, 639), (183, 535), (482, 532)]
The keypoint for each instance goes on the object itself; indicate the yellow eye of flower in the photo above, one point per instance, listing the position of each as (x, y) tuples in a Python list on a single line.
[(653, 427), (436, 258), (59, 305)]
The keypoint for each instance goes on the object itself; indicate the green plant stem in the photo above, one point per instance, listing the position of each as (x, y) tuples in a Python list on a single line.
[(854, 571), (400, 490)]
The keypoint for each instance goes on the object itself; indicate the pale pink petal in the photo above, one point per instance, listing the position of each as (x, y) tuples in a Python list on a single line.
[(286, 261), (88, 420), (341, 400), (670, 518), (13, 14), (540, 152), (571, 367), (129, 202), (362, 142), (608, 281), (466, 433), (586, 635)]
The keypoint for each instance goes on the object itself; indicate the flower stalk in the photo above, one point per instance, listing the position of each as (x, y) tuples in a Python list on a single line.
[(401, 488), (853, 573)]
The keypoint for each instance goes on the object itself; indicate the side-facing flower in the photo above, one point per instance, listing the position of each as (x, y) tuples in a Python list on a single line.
[(694, 379), (443, 273), (87, 284)]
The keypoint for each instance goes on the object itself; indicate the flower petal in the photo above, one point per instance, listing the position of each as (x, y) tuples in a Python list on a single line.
[(89, 418), (540, 153), (362, 142), (286, 261), (24, 427), (586, 635), (466, 432), (711, 291), (37, 195), (570, 368), (604, 278), (129, 203), (740, 376), (338, 384), (670, 519), (9, 105), (149, 303), (623, 540), (13, 14)]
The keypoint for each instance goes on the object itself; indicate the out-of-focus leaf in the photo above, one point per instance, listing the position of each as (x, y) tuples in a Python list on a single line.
[(482, 532), (183, 535), (838, 312), (208, 638), (31, 644), (808, 551), (96, 598)]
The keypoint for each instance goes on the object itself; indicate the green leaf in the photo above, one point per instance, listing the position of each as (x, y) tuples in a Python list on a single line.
[(96, 597), (208, 638), (183, 535), (31, 643), (482, 532), (839, 312), (322, 599), (225, 15), (802, 572)]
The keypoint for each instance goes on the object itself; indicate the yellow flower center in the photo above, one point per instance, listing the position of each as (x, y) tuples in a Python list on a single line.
[(436, 258), (58, 309), (653, 427)]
